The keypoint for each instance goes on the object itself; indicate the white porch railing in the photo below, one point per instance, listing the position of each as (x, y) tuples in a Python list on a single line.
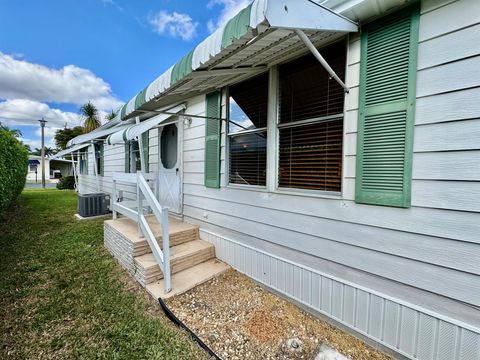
[(161, 213)]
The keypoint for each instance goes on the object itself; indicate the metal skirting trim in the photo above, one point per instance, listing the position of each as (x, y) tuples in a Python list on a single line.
[(405, 328)]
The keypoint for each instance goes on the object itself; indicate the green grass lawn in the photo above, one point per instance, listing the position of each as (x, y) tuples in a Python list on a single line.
[(62, 295)]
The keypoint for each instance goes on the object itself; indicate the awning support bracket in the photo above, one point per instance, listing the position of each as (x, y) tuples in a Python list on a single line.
[(320, 58), (184, 115)]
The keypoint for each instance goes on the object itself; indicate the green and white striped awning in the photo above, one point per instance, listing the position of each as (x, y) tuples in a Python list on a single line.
[(260, 35), (134, 131), (99, 133), (62, 153)]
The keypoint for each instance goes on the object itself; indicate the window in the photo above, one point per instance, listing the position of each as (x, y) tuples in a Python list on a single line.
[(33, 168), (83, 161), (132, 157), (247, 131), (99, 157), (133, 162), (311, 122), (168, 146)]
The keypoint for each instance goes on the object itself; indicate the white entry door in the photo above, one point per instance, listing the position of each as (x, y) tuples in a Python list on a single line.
[(170, 189)]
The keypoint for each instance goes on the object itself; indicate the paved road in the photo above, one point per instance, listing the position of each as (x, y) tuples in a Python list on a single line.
[(39, 185)]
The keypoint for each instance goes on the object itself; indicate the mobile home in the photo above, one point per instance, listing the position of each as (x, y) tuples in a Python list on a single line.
[(330, 150)]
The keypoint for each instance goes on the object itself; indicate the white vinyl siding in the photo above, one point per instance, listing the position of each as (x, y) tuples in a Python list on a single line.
[(426, 255), (438, 236)]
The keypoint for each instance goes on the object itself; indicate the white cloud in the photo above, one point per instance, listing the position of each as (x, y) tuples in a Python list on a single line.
[(229, 10), (174, 24), (37, 143), (20, 79), (28, 112), (49, 131), (112, 3)]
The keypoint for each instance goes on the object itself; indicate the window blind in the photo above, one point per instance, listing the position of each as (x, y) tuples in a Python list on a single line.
[(248, 159), (247, 131), (311, 156), (306, 89), (248, 103), (311, 122)]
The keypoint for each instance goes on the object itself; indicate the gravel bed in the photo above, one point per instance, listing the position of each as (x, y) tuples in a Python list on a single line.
[(238, 319)]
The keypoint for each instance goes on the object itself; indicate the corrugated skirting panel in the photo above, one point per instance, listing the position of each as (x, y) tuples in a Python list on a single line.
[(405, 328)]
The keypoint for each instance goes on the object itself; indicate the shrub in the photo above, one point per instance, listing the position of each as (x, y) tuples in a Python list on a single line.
[(66, 182), (13, 168)]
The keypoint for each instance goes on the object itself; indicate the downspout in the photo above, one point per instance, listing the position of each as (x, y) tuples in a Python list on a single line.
[(320, 58)]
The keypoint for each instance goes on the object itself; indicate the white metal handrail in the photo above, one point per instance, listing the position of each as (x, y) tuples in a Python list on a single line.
[(161, 213)]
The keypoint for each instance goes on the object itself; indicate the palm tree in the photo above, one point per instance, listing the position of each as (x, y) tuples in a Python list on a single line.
[(48, 151), (90, 114), (111, 115), (14, 132)]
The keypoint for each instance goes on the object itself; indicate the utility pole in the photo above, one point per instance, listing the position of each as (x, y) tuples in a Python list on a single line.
[(42, 125)]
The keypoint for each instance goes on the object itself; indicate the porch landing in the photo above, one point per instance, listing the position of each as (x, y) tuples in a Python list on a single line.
[(192, 260)]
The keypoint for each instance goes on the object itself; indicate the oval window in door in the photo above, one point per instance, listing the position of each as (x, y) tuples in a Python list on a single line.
[(168, 146)]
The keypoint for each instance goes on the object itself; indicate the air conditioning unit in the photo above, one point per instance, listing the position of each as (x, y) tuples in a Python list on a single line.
[(93, 204)]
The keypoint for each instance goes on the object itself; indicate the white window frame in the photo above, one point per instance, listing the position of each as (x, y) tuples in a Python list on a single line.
[(273, 138)]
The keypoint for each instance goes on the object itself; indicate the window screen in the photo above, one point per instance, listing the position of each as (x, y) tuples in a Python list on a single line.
[(247, 131), (311, 122)]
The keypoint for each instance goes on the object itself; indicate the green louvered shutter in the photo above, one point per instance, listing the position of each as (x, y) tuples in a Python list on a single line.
[(212, 140), (127, 156), (387, 109), (146, 151)]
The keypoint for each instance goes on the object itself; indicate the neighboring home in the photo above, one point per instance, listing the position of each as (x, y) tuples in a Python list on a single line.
[(356, 195), (54, 169)]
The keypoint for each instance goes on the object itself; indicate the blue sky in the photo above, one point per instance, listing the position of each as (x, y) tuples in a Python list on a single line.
[(57, 54)]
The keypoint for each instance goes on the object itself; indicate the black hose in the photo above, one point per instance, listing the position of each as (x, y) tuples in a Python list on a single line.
[(179, 323)]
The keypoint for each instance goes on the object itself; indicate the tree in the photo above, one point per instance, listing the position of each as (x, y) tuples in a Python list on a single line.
[(111, 115), (14, 132), (63, 136), (90, 117), (48, 151)]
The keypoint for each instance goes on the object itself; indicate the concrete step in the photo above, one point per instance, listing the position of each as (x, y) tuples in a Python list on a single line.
[(188, 279), (179, 231), (182, 256)]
